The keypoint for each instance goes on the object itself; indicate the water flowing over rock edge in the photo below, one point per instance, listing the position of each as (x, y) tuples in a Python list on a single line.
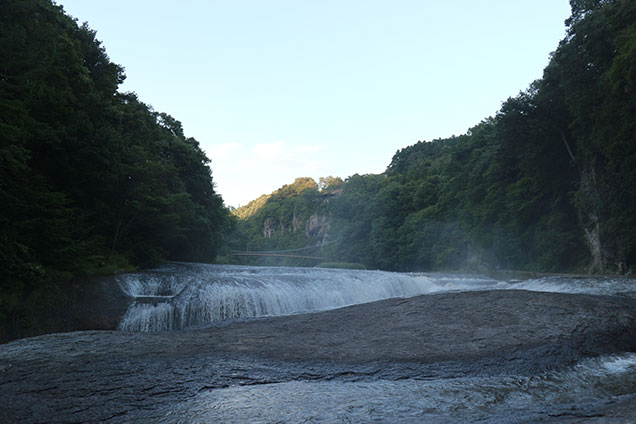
[(93, 376), (100, 303), (178, 295)]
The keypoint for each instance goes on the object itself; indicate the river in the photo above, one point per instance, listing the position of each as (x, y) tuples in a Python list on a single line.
[(178, 296), (211, 343)]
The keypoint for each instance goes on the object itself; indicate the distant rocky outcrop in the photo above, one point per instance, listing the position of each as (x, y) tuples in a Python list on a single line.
[(295, 216), (318, 226)]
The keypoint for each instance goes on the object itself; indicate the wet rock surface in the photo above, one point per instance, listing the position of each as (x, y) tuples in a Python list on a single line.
[(96, 304), (106, 376)]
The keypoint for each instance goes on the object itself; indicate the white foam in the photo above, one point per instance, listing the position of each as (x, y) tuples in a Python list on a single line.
[(198, 294)]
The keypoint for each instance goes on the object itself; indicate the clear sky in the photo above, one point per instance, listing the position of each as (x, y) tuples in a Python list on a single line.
[(279, 89)]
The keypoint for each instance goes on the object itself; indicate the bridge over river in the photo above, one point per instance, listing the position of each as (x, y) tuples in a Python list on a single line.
[(290, 253)]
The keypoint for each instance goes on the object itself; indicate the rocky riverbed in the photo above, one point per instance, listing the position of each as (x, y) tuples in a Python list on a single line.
[(110, 376)]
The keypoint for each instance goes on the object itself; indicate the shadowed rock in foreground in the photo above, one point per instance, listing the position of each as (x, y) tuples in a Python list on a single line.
[(96, 376), (95, 304)]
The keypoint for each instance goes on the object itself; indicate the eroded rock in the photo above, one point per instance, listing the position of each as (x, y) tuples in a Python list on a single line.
[(99, 375)]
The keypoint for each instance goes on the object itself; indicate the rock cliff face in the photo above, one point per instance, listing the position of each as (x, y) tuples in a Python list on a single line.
[(268, 228), (608, 249), (297, 217), (297, 221), (591, 219), (317, 227)]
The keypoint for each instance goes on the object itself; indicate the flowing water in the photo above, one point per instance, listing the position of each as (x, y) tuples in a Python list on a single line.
[(181, 296), (503, 398), (178, 296)]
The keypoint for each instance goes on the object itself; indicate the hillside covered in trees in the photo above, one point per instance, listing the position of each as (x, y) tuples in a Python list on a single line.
[(547, 184), (92, 180)]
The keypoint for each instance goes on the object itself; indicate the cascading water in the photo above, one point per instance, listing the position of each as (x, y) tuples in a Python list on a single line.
[(218, 375), (177, 296)]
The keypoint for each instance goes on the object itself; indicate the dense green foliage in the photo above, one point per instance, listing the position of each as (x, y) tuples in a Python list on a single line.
[(548, 183), (91, 179), (282, 220)]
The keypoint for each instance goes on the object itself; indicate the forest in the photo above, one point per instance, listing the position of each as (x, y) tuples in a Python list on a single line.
[(546, 184), (93, 181)]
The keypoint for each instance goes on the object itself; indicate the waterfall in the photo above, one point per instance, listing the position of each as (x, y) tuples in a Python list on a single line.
[(177, 296)]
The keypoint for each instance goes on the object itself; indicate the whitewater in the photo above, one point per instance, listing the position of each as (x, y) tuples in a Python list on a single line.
[(181, 295), (216, 343)]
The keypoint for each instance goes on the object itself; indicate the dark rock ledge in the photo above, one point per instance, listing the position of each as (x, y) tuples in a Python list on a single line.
[(97, 376)]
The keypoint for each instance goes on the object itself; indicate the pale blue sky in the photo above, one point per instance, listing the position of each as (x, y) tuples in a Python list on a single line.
[(275, 90)]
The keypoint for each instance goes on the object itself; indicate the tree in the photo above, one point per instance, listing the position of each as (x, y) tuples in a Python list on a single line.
[(92, 180)]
